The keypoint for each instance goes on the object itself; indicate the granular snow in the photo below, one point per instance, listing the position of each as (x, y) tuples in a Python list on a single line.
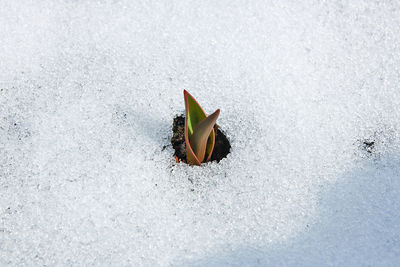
[(88, 93)]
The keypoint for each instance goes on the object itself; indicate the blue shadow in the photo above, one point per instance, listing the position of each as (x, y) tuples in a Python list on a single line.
[(358, 225)]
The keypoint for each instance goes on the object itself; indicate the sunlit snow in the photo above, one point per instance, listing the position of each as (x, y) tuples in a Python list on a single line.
[(309, 93)]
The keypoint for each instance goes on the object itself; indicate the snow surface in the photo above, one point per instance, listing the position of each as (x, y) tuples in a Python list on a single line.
[(88, 93)]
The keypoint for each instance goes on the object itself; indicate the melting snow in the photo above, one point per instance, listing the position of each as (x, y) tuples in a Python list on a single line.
[(88, 93)]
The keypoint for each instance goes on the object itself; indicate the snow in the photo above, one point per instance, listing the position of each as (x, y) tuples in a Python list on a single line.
[(88, 93)]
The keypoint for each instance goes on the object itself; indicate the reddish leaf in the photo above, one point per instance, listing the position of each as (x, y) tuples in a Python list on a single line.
[(198, 140), (193, 116)]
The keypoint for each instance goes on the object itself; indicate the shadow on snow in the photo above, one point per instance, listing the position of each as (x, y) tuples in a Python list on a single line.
[(358, 225)]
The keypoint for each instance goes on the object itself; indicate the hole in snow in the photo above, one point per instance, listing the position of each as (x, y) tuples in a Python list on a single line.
[(221, 148)]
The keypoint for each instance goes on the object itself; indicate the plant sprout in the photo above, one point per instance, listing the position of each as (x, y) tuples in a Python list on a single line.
[(199, 131)]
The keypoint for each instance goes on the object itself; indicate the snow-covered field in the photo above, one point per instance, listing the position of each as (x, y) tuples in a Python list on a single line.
[(88, 93)]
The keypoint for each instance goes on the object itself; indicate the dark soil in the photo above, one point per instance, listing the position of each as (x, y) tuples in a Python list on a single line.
[(369, 146), (221, 148)]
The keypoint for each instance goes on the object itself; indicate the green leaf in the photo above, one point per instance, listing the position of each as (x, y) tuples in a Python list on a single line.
[(193, 116), (194, 113)]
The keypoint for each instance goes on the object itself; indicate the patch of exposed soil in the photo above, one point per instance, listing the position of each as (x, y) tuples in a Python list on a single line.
[(221, 148)]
